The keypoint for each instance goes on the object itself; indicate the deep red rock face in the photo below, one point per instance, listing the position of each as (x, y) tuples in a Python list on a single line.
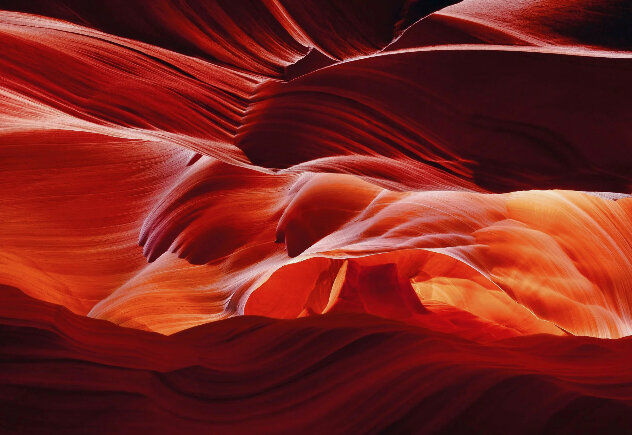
[(284, 216)]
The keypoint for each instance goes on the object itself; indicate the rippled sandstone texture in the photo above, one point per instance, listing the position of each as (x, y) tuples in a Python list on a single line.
[(287, 216)]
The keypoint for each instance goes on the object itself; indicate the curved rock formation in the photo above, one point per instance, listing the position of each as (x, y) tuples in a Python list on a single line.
[(281, 216)]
